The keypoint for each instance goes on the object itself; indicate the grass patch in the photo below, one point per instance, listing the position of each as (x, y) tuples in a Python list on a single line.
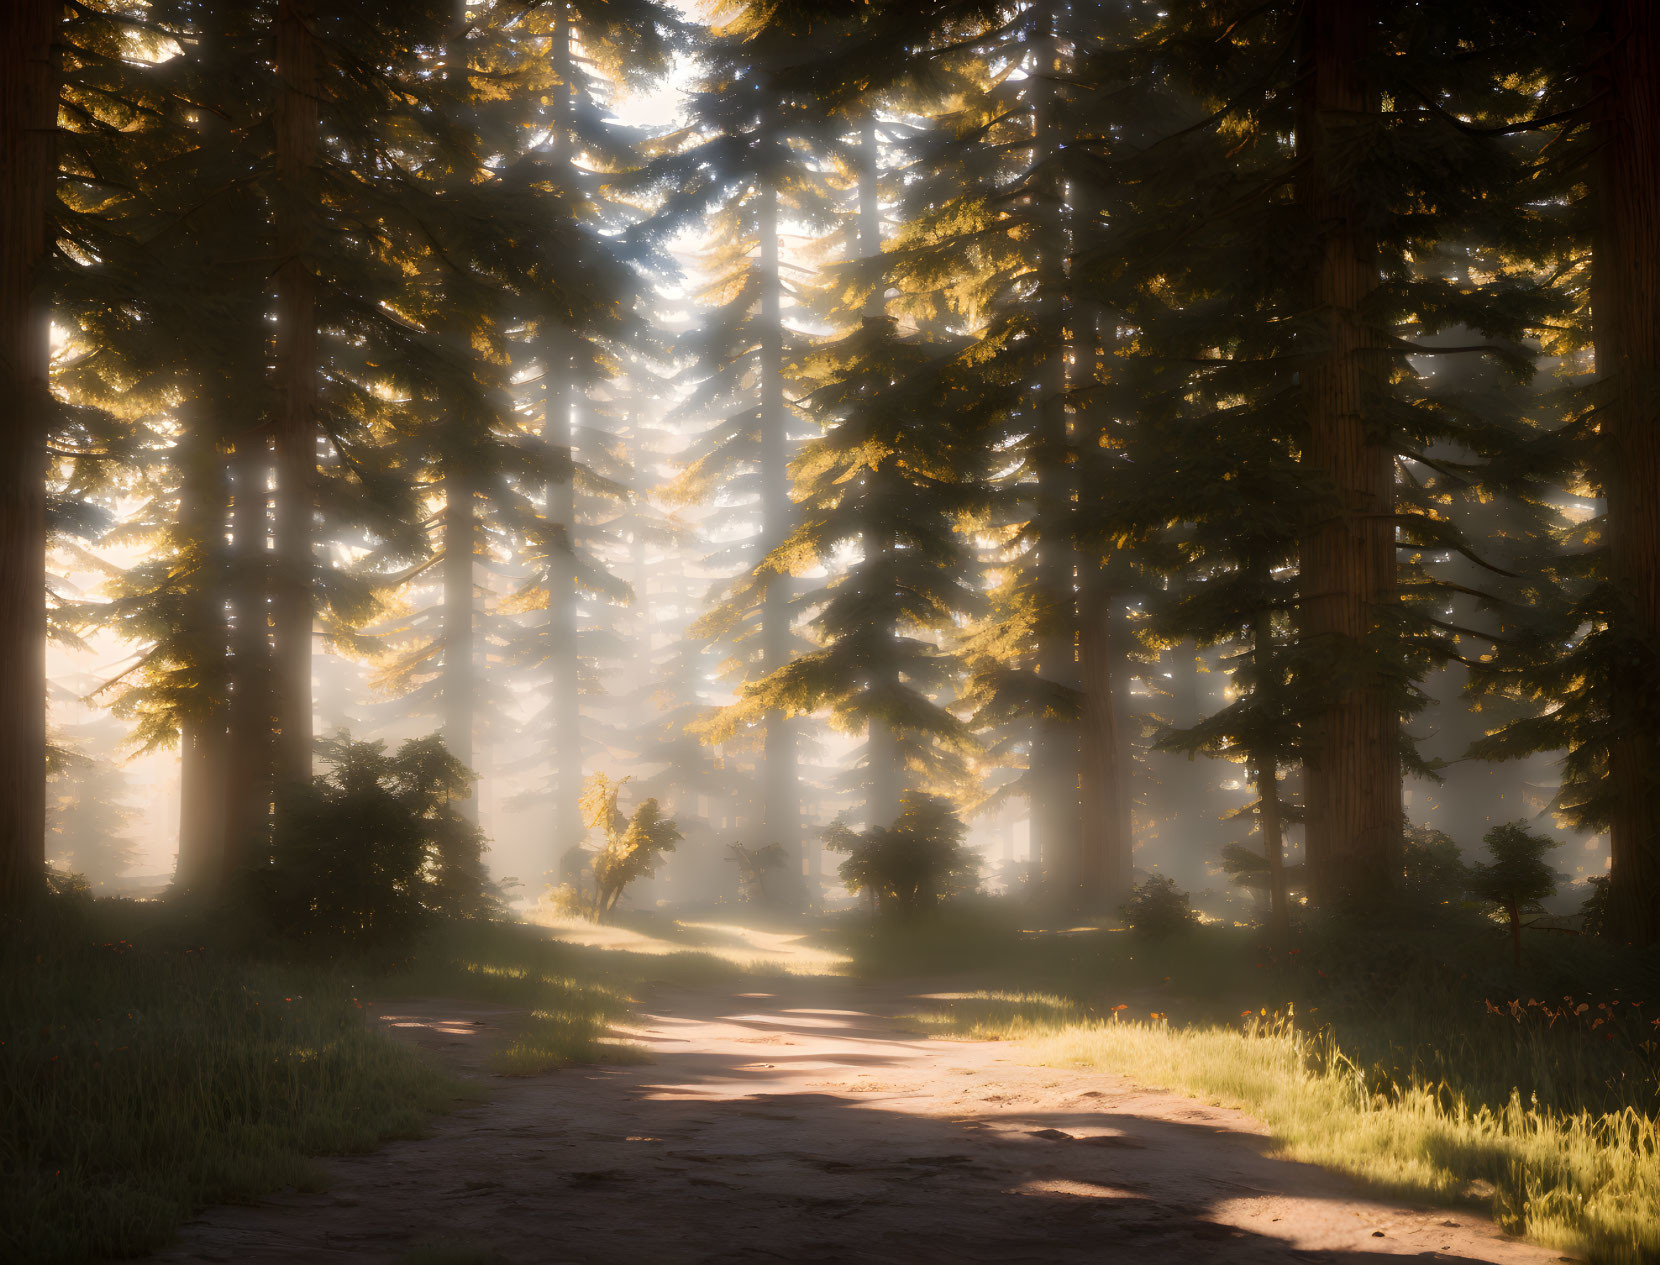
[(563, 1038), (1426, 1093), (578, 987), (145, 1073), (996, 946), (143, 1076)]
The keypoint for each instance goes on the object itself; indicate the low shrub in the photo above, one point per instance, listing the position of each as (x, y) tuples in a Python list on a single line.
[(1158, 909), (913, 866), (371, 853)]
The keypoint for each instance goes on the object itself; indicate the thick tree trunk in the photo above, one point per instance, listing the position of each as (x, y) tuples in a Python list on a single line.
[(1348, 548), (1625, 302), (1270, 816), (203, 500), (295, 432), (225, 793), (249, 708), (645, 620), (1187, 698), (1107, 843), (201, 804), (205, 508), (1106, 855), (459, 679), (559, 400), (1271, 823), (460, 537), (1054, 772), (28, 118), (780, 793)]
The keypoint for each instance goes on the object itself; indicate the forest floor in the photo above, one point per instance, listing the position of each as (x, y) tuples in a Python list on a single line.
[(802, 1118)]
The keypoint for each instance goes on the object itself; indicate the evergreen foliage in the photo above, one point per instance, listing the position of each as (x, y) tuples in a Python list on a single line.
[(1432, 867), (913, 431), (1158, 909), (372, 852), (1517, 878), (1579, 669), (908, 869), (890, 479), (1045, 389), (89, 819)]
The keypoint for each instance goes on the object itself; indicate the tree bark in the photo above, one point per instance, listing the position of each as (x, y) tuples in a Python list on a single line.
[(249, 708), (1107, 843), (458, 681), (28, 119), (1270, 816), (1625, 300), (460, 540), (201, 804), (203, 501), (1053, 776), (1347, 551), (781, 795), (1106, 853), (205, 510), (559, 399), (298, 84)]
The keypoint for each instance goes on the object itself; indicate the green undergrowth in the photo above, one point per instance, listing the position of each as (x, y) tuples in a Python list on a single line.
[(1424, 1065), (577, 979), (146, 1072), (573, 997), (995, 946)]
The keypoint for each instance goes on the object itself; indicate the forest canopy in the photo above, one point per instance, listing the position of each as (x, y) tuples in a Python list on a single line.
[(1208, 440)]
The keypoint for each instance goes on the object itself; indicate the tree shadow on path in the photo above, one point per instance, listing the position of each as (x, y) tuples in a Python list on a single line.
[(806, 1126)]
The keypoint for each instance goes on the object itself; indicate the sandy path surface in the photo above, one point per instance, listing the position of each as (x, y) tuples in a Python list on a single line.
[(805, 1125)]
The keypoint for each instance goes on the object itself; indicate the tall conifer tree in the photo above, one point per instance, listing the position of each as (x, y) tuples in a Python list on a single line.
[(1347, 336), (748, 155), (28, 113)]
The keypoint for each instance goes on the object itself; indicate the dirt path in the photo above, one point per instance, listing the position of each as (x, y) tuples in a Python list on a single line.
[(804, 1126)]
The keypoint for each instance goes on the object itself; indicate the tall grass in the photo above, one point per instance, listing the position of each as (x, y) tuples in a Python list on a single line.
[(142, 1078), (145, 1073), (1419, 1058), (1579, 1179)]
